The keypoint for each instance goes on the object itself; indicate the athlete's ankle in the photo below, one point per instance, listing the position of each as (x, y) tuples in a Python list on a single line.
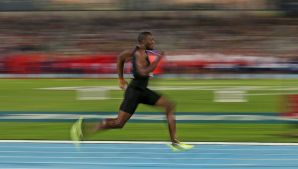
[(175, 141)]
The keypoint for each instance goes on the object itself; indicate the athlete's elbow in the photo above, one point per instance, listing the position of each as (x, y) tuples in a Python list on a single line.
[(120, 59)]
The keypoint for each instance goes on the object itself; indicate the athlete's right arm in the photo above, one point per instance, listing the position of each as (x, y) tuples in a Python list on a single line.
[(122, 57)]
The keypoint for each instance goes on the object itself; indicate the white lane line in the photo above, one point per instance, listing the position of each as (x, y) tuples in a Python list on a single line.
[(154, 158), (146, 142), (210, 117), (183, 88), (235, 117), (269, 94), (203, 83), (149, 148), (155, 153)]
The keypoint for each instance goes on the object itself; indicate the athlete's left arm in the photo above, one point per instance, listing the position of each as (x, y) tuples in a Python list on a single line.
[(122, 57)]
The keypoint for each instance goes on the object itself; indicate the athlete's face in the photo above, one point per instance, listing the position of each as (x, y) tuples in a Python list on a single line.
[(149, 42)]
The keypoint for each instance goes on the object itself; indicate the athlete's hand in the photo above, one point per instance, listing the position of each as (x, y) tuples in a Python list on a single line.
[(160, 56), (122, 83)]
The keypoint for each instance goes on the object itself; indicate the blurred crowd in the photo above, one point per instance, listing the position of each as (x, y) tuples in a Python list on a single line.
[(57, 34), (76, 33), (135, 4)]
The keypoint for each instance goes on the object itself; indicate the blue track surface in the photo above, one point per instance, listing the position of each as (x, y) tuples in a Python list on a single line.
[(144, 156)]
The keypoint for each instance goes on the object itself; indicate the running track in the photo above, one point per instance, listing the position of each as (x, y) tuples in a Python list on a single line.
[(124, 155)]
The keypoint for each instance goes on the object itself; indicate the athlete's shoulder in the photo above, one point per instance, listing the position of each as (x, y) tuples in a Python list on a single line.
[(131, 51), (126, 53)]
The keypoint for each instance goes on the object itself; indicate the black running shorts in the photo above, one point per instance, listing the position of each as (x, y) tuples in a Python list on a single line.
[(134, 96)]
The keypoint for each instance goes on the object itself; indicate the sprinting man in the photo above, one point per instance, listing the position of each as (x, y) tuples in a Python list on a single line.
[(137, 92)]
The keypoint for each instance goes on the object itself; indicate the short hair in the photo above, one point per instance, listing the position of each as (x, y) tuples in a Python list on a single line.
[(143, 35)]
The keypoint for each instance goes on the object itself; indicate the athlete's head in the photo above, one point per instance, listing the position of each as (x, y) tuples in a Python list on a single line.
[(146, 39)]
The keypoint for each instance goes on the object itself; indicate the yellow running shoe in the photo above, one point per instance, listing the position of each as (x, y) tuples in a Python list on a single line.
[(185, 146), (176, 147), (76, 133)]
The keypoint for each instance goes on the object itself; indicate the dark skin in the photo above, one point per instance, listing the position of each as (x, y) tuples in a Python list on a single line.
[(144, 69)]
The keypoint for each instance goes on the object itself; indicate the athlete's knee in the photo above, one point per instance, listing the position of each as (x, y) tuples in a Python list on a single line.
[(170, 106), (119, 124)]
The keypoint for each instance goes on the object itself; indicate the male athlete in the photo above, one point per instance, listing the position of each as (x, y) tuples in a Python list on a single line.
[(137, 92)]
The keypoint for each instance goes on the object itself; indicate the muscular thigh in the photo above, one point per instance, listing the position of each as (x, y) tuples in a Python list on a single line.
[(149, 97), (131, 100)]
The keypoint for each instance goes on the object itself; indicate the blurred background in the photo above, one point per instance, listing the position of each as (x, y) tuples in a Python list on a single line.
[(199, 36), (223, 58)]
